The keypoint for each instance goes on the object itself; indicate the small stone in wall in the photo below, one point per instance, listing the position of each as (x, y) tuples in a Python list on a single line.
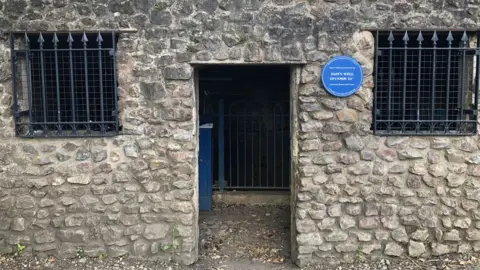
[(18, 224), (415, 249), (82, 154), (62, 157), (355, 143), (454, 180), (99, 155), (393, 249), (80, 179), (409, 154), (25, 202), (336, 236), (42, 161), (473, 159), (69, 146), (29, 149), (347, 115), (387, 154), (439, 249), (440, 143), (48, 148), (131, 150)]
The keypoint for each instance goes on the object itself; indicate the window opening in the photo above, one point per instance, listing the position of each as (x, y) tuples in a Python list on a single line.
[(425, 83), (65, 85)]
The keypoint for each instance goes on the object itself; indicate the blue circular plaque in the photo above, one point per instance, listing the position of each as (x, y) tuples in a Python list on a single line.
[(342, 76)]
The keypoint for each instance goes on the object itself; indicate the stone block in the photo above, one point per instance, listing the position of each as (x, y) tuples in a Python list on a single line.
[(416, 249), (393, 249), (156, 231)]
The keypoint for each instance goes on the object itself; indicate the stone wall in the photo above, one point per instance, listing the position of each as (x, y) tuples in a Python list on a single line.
[(355, 195)]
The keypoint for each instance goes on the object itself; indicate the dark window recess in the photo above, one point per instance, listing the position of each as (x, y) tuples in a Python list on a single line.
[(426, 83), (65, 85)]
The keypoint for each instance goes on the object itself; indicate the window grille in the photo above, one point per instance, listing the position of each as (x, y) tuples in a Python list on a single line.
[(426, 83), (64, 85)]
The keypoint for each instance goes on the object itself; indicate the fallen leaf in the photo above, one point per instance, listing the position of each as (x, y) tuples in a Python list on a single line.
[(51, 259)]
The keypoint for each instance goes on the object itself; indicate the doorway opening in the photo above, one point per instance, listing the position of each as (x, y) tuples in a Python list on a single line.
[(249, 107), (245, 161)]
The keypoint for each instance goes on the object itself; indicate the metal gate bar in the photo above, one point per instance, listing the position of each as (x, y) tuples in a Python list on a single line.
[(255, 152)]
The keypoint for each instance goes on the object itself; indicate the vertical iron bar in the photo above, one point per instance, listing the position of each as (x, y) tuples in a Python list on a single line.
[(267, 152), (14, 81), (390, 60), (115, 103), (245, 148), (449, 39), (434, 39), (87, 98), (238, 149), (419, 78), (274, 149), (477, 81), (229, 117), (29, 82), (221, 147), (253, 160), (260, 150), (72, 85), (100, 71), (464, 59), (404, 96), (55, 44), (282, 142), (376, 85), (42, 70)]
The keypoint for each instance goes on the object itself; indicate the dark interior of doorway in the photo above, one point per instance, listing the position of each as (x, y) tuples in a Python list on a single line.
[(250, 105)]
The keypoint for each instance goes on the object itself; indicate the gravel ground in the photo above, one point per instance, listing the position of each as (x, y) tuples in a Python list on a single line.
[(234, 237)]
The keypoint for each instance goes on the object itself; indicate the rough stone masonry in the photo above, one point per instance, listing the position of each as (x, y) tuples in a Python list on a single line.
[(356, 196)]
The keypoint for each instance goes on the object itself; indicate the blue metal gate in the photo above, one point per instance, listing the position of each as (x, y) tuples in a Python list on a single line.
[(253, 145)]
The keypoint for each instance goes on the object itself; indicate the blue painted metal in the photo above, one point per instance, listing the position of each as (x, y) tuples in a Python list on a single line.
[(342, 76), (205, 167), (221, 146)]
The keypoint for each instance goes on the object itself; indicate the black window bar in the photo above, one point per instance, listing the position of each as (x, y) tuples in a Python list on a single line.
[(426, 83), (65, 85)]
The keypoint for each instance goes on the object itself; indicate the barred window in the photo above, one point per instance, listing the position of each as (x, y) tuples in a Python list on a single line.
[(64, 84), (426, 83)]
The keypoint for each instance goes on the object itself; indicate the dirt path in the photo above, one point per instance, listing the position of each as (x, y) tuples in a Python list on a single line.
[(246, 236)]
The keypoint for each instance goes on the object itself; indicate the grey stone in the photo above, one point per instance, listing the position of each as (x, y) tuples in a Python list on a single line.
[(369, 223), (18, 224), (131, 150), (79, 179), (336, 236), (420, 235), (462, 223), (44, 236), (409, 154), (25, 202), (454, 180), (439, 249), (452, 235), (347, 222), (400, 235), (309, 239), (82, 154), (61, 157), (99, 155), (393, 249), (156, 231), (72, 235), (346, 247), (160, 17), (416, 249)]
